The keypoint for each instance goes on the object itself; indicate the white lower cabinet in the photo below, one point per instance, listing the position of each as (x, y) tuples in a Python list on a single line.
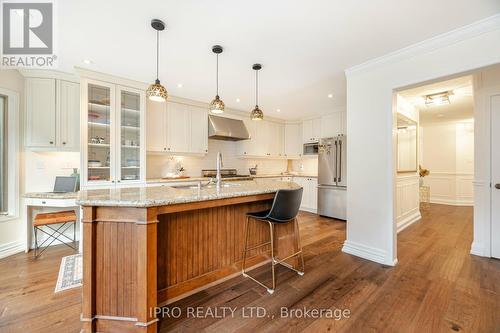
[(310, 194)]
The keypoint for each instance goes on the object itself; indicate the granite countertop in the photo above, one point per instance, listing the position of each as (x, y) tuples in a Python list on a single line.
[(51, 195), (284, 175), (167, 195), (197, 179)]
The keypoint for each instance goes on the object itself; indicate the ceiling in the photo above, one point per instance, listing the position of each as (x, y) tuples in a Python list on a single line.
[(461, 105), (304, 46)]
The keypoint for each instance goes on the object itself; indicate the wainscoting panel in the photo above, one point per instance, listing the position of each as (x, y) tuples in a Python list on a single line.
[(449, 188), (407, 203)]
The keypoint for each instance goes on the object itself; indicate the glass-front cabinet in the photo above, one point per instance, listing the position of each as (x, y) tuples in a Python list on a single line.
[(113, 149)]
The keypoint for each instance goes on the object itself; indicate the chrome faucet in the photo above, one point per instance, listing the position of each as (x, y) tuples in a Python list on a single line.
[(218, 177)]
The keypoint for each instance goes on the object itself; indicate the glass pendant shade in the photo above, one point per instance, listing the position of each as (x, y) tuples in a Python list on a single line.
[(156, 92), (257, 114), (217, 105)]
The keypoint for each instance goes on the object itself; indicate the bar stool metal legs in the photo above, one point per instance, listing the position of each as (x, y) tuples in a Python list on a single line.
[(274, 261), (56, 235)]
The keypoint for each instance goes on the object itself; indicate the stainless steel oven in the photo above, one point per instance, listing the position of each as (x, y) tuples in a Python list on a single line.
[(311, 148)]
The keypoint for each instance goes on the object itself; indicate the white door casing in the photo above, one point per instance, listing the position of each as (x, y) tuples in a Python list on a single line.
[(495, 176)]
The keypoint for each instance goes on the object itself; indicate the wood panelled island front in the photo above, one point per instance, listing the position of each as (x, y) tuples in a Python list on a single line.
[(146, 247)]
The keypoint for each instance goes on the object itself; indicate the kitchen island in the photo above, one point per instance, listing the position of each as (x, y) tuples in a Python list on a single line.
[(149, 246)]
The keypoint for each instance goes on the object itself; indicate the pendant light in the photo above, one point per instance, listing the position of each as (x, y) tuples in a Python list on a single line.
[(217, 105), (156, 92), (257, 113)]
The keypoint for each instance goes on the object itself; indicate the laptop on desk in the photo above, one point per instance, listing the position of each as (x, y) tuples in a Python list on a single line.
[(64, 184)]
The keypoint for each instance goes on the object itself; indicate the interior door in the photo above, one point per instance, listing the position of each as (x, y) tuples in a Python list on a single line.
[(495, 176)]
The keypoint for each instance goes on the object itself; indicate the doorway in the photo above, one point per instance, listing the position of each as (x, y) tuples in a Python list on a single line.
[(453, 158)]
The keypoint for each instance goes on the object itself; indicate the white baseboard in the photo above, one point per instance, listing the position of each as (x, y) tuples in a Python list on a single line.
[(478, 249), (408, 220), (367, 252), (452, 202), (310, 210), (11, 248)]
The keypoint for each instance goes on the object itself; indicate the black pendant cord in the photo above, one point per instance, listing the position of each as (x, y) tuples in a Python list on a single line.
[(217, 75), (256, 88), (157, 53)]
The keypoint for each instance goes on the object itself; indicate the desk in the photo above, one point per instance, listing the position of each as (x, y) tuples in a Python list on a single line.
[(58, 201)]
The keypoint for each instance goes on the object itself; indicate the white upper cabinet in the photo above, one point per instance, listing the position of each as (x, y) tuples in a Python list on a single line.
[(113, 135), (156, 121), (311, 130), (177, 128), (68, 115), (40, 113), (333, 124), (52, 114), (266, 140), (293, 141), (199, 130)]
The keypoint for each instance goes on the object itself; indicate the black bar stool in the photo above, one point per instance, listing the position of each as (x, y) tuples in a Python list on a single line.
[(285, 208)]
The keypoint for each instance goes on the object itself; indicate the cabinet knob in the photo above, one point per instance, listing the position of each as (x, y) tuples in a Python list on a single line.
[(168, 148), (119, 181), (497, 186), (51, 142), (112, 181), (164, 148), (64, 143)]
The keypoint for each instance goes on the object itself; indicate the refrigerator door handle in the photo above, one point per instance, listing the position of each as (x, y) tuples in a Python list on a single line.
[(336, 154), (339, 169)]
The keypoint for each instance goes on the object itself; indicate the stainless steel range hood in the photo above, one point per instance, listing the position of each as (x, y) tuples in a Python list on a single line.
[(221, 128)]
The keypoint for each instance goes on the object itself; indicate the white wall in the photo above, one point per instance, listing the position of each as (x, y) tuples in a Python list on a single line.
[(371, 231), (448, 152), (486, 84)]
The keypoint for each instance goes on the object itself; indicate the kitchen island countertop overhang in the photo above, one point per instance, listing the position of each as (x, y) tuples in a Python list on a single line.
[(149, 246), (166, 195)]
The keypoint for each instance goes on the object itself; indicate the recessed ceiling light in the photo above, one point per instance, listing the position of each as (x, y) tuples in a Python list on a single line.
[(330, 95), (88, 62), (179, 85), (238, 100), (278, 110)]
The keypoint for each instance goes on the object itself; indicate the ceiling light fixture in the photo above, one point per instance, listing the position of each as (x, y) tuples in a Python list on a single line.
[(278, 110), (438, 98), (179, 85), (257, 113), (217, 105), (87, 61), (330, 95), (238, 100), (156, 92)]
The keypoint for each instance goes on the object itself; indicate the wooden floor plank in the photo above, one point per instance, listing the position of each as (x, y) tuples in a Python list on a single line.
[(436, 287)]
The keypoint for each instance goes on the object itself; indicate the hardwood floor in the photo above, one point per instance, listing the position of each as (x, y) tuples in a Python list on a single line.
[(436, 287)]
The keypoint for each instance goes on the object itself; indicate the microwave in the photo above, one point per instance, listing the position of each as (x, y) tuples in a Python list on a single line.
[(310, 148)]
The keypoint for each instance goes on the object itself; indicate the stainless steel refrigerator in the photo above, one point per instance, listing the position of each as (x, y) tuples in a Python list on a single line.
[(332, 182)]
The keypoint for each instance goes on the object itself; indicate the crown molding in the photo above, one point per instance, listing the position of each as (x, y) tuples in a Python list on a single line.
[(448, 38), (49, 74)]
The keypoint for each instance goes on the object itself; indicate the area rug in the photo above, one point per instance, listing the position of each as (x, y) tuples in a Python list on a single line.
[(70, 273)]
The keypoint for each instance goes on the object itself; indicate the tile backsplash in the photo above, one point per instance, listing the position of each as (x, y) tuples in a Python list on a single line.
[(158, 165)]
